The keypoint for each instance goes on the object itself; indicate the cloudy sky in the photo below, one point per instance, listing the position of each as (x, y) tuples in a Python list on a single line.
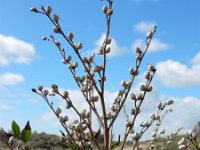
[(26, 60)]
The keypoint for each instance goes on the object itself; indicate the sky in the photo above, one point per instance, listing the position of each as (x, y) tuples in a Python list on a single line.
[(26, 61)]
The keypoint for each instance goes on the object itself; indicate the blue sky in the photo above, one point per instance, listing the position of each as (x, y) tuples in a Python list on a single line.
[(26, 60)]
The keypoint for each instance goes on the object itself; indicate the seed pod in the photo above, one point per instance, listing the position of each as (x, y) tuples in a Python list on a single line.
[(105, 9), (33, 9), (56, 18), (70, 36), (48, 10), (109, 12)]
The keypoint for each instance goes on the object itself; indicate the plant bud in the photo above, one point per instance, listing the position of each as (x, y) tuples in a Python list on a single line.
[(128, 123), (133, 72), (149, 35), (133, 112), (48, 10), (44, 38), (56, 29), (90, 60), (151, 68), (46, 92), (61, 119), (109, 115), (147, 75), (58, 111), (159, 105), (57, 43), (169, 102), (64, 61), (138, 57), (96, 98), (133, 96), (33, 9), (109, 12), (137, 50), (11, 140), (65, 94), (56, 18), (120, 93), (109, 40), (143, 88), (69, 58), (108, 50), (150, 88), (40, 87), (105, 9), (139, 97), (79, 45), (66, 118), (70, 66), (54, 88), (70, 36), (75, 64), (123, 83)]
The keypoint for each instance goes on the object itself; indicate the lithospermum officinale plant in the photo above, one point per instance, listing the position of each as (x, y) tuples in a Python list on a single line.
[(80, 133)]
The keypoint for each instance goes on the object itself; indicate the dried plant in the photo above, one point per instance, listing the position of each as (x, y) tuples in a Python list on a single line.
[(80, 133)]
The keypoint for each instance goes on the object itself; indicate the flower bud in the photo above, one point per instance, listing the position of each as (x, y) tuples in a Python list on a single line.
[(61, 119), (79, 45), (159, 105), (54, 88), (109, 12), (150, 88), (109, 40), (133, 112), (169, 102), (149, 35), (133, 96), (40, 87), (75, 64), (65, 94), (48, 10), (108, 50), (139, 97), (70, 66), (123, 83), (137, 50), (69, 58), (151, 68), (33, 9), (133, 72), (56, 18), (105, 9), (44, 38), (66, 118), (70, 36), (58, 111), (128, 123), (57, 43), (64, 61), (143, 88), (147, 75), (56, 29), (46, 92), (11, 140)]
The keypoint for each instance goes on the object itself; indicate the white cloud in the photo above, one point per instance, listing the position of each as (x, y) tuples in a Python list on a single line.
[(116, 50), (155, 46), (10, 79), (145, 26), (13, 50), (5, 106), (174, 74)]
